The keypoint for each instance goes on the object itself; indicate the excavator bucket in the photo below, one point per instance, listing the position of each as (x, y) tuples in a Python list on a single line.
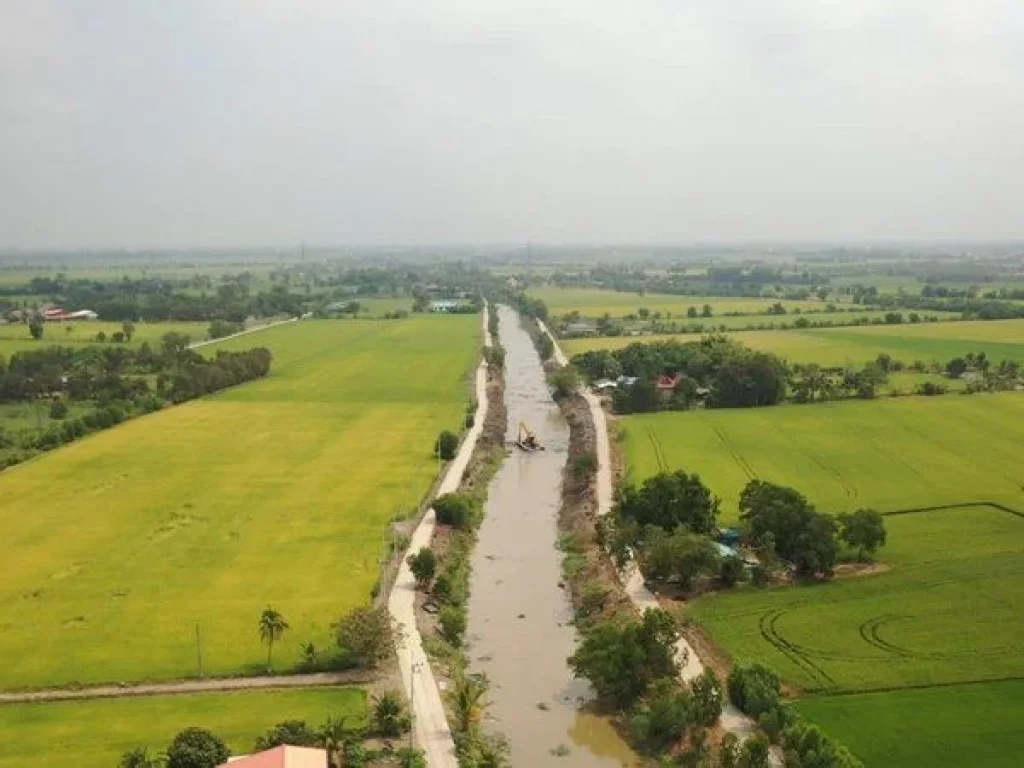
[(526, 440)]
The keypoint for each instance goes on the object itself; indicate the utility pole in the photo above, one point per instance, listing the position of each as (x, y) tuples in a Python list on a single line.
[(415, 668), (199, 652)]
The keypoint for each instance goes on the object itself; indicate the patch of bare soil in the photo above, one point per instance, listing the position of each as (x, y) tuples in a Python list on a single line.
[(854, 570)]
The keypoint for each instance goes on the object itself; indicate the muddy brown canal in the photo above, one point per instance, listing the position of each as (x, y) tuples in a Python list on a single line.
[(519, 618)]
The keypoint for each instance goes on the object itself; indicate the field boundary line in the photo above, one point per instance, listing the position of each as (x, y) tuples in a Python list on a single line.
[(941, 507), (246, 332), (909, 687), (182, 687)]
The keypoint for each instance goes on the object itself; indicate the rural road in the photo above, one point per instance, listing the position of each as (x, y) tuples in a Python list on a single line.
[(246, 332), (432, 733), (187, 686), (732, 720)]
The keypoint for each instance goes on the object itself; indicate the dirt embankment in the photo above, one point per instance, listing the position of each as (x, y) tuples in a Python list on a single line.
[(591, 577), (483, 463)]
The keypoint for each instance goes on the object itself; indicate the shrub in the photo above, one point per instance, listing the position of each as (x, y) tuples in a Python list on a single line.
[(389, 717), (294, 733), (706, 698), (367, 635), (753, 688), (196, 748), (423, 566), (731, 571), (58, 409), (453, 624), (565, 381), (662, 719), (446, 445), (454, 509)]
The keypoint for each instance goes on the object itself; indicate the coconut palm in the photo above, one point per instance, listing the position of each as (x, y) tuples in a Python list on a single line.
[(467, 701), (272, 627), (335, 735)]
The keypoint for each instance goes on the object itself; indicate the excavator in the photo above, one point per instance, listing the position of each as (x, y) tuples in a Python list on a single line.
[(527, 440)]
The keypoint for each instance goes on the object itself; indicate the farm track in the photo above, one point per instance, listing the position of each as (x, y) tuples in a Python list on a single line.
[(316, 679), (736, 456), (849, 490), (659, 451)]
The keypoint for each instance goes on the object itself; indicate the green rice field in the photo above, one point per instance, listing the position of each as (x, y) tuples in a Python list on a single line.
[(945, 727), (927, 342), (947, 610), (94, 734), (276, 492), (888, 454), (593, 302)]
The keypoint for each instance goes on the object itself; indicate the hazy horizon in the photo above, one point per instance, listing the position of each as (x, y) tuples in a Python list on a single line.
[(212, 125)]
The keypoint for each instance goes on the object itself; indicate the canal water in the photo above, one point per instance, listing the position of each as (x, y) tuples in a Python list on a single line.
[(519, 617)]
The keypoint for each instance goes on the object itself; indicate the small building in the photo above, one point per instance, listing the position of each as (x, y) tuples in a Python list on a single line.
[(82, 314), (444, 305), (605, 385), (626, 381), (54, 314), (666, 383), (281, 757)]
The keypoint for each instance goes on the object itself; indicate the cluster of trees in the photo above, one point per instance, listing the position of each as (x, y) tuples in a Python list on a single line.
[(715, 370), (755, 690), (812, 383), (116, 381), (783, 524), (340, 737)]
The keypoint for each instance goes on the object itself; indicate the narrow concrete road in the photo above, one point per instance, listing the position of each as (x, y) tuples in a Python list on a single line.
[(432, 733), (354, 677), (197, 344), (691, 666)]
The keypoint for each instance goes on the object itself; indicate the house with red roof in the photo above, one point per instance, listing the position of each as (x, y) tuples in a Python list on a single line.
[(281, 757)]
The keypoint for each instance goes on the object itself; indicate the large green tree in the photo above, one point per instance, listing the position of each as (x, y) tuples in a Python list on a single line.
[(864, 530), (671, 500)]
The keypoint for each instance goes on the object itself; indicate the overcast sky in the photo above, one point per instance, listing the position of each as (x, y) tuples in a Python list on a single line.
[(134, 123)]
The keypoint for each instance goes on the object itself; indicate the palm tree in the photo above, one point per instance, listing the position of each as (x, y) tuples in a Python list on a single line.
[(467, 700), (272, 627), (335, 735)]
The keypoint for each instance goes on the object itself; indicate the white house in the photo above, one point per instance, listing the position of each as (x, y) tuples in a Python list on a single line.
[(82, 314)]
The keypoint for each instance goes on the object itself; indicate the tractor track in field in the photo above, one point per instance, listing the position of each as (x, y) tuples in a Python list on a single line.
[(849, 490), (740, 461), (659, 451), (771, 634)]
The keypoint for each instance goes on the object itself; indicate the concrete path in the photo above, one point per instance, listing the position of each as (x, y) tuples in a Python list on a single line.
[(246, 332), (691, 666), (354, 677), (432, 733)]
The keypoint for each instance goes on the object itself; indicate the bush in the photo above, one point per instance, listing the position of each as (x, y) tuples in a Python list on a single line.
[(662, 719), (294, 733), (446, 445), (565, 381), (731, 571), (389, 717), (623, 658), (810, 746), (706, 699), (455, 509), (367, 635), (423, 566), (58, 409), (545, 347), (196, 748), (453, 624), (754, 689)]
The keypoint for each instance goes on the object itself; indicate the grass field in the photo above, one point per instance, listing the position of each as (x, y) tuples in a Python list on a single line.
[(889, 454), (968, 724), (276, 492), (94, 734), (15, 337), (948, 611), (592, 302), (1002, 339)]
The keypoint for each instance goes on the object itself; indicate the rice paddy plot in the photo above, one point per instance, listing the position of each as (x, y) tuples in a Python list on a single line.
[(888, 454), (276, 492), (594, 302), (98, 732), (945, 727), (947, 611), (908, 342)]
